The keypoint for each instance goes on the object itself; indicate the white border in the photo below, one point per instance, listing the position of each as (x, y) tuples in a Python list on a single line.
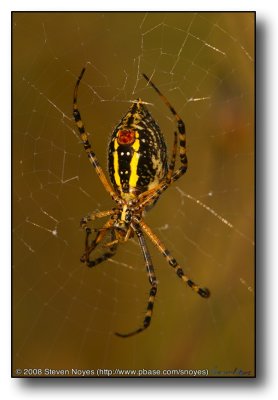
[(213, 389)]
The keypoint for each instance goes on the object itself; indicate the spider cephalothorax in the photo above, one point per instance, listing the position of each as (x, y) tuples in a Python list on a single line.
[(139, 172)]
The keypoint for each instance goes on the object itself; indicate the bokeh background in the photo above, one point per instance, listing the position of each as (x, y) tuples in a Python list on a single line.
[(64, 314)]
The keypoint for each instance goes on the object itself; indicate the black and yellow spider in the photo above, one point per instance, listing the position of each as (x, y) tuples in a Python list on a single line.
[(139, 173)]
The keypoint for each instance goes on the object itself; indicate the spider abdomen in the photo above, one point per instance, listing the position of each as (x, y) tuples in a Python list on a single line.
[(137, 154)]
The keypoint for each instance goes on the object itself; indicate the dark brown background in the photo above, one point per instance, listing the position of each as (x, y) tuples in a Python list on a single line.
[(64, 314)]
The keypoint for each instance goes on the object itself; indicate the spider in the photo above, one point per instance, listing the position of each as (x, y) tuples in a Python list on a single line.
[(139, 173)]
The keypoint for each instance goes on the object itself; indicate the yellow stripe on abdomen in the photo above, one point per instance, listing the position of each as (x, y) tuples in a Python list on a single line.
[(134, 164), (116, 165)]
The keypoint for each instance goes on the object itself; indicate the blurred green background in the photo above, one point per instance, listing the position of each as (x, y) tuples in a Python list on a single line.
[(64, 314)]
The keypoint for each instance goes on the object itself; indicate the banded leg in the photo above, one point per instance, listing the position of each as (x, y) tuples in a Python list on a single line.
[(153, 282), (173, 159), (203, 292), (87, 146), (150, 198), (108, 254), (171, 176), (91, 217), (84, 225), (101, 233), (181, 129)]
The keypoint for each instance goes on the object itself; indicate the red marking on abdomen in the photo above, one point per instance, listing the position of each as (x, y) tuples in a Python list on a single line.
[(126, 137)]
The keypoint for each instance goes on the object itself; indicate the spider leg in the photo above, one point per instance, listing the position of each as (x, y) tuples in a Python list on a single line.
[(172, 163), (182, 134), (91, 217), (171, 175), (152, 280), (87, 146), (105, 256), (99, 237), (84, 225), (203, 292)]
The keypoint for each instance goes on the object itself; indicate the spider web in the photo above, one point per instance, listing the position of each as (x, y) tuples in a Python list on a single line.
[(65, 314)]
